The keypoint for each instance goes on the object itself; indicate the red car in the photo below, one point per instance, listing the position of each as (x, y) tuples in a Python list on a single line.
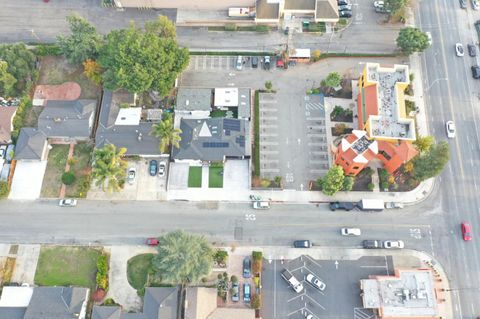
[(280, 63), (466, 231), (152, 242)]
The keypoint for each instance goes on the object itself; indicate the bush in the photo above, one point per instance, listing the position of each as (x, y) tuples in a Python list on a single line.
[(47, 49), (316, 54), (262, 28), (220, 257), (230, 27), (384, 185), (234, 279), (102, 272), (4, 189), (257, 255), (370, 186), (84, 186), (109, 302), (18, 120), (256, 302), (68, 178)]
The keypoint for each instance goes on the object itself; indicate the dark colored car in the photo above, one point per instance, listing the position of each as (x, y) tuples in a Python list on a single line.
[(476, 72), (466, 231), (235, 292), (153, 168), (372, 244), (343, 2), (345, 14), (472, 50), (463, 4), (341, 205), (254, 62), (152, 242), (305, 243), (247, 265)]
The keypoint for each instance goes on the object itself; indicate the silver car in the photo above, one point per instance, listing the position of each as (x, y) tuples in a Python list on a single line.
[(239, 63), (393, 244), (67, 202), (450, 127), (315, 282)]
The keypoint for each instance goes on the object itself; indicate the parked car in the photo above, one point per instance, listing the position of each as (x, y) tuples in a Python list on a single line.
[(246, 292), (342, 2), (315, 282), (308, 315), (429, 36), (345, 14), (466, 231), (67, 202), (463, 4), (472, 50), (345, 7), (239, 63), (153, 167), (254, 62), (131, 175), (162, 167), (280, 64), (382, 10), (372, 244), (152, 241), (393, 244), (247, 265), (9, 153), (266, 62), (305, 243), (378, 4), (341, 205), (475, 5), (286, 31), (3, 151), (292, 281), (351, 231), (235, 292), (476, 71), (459, 49), (391, 205), (450, 127), (261, 205)]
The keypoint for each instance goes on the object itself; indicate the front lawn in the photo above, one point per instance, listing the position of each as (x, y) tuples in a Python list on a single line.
[(137, 270), (81, 168), (67, 266), (57, 158), (215, 177), (195, 176)]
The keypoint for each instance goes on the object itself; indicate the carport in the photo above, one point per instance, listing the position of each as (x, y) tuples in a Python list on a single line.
[(27, 179)]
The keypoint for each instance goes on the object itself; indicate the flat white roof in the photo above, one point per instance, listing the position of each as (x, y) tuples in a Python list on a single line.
[(129, 116), (226, 97), (27, 179), (300, 53), (16, 296)]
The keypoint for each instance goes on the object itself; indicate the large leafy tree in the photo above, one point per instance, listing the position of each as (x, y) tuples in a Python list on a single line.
[(142, 60), (167, 134), (183, 258), (432, 162), (333, 181), (7, 81), (83, 43), (109, 168), (163, 27), (395, 6), (332, 80), (412, 40), (20, 64)]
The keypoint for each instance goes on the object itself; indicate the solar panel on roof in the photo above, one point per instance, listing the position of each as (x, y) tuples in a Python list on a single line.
[(240, 140), (215, 144), (232, 125)]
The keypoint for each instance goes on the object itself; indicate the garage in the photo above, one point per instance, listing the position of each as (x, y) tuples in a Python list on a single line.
[(27, 180)]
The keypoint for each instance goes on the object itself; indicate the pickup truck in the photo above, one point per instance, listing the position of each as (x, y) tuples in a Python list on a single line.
[(292, 281)]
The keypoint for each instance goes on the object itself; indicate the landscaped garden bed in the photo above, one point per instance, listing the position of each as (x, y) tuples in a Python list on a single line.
[(57, 158), (215, 175), (195, 176), (80, 167), (363, 181), (401, 181), (339, 114)]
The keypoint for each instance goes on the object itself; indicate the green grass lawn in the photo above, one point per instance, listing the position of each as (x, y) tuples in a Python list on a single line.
[(137, 270), (195, 176), (57, 158), (65, 266), (215, 177), (82, 155)]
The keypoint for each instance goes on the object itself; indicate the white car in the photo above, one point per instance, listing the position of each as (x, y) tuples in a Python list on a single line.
[(378, 4), (67, 202), (429, 36), (132, 171), (315, 282), (162, 167), (308, 315), (351, 232), (239, 63), (261, 205), (475, 5), (450, 127), (393, 244), (459, 49)]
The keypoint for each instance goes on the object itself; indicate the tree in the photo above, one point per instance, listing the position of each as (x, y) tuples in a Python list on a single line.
[(162, 27), (412, 40), (268, 86), (432, 162), (183, 258), (83, 43), (20, 64), (7, 81), (109, 168), (4, 189), (424, 143), (316, 54), (333, 181), (395, 6), (139, 61), (93, 71), (332, 80), (68, 178), (348, 183), (167, 134)]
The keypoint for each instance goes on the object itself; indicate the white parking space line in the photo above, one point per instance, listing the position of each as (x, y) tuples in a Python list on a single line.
[(270, 161), (268, 110), (269, 135), (270, 152), (269, 118), (268, 143), (268, 125), (270, 170)]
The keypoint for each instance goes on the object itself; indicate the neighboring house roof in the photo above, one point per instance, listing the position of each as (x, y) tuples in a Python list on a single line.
[(200, 302), (193, 99), (300, 5), (326, 9), (67, 118), (31, 144), (213, 139), (12, 312), (56, 302), (267, 11), (106, 312), (6, 126), (137, 139)]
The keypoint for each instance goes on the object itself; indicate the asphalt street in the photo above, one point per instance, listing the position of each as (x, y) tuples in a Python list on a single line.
[(452, 94)]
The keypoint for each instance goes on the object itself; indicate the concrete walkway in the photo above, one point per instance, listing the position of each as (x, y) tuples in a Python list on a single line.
[(26, 264)]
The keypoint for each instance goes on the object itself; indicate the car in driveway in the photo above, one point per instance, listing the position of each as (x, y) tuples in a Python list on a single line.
[(475, 5), (459, 49), (475, 71), (67, 202), (345, 14), (246, 292), (463, 4), (372, 244), (351, 231), (132, 171), (393, 244), (472, 50), (152, 241), (162, 167), (315, 282), (304, 243), (466, 231), (247, 265), (153, 167), (450, 128), (254, 62), (235, 292), (308, 315), (341, 205)]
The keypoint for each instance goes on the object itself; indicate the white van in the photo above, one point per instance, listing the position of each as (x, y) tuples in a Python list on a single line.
[(261, 205)]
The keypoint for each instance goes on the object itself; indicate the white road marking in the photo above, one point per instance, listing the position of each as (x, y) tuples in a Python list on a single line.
[(274, 290)]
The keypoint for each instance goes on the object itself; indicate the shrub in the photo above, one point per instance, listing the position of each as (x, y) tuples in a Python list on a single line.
[(47, 49), (337, 111), (230, 27), (109, 302), (370, 186), (4, 189), (234, 279), (84, 185), (68, 178), (340, 128), (221, 257), (102, 272), (384, 185), (265, 183), (98, 295), (256, 302), (219, 276), (72, 161), (262, 28), (316, 54), (257, 255)]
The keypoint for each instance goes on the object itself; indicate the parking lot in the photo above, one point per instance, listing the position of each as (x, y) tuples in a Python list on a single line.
[(341, 297)]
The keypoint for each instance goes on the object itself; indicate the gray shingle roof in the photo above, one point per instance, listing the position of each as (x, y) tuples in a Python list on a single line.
[(12, 312), (160, 303), (30, 144), (193, 99), (67, 118), (326, 9), (106, 312), (213, 139), (56, 303)]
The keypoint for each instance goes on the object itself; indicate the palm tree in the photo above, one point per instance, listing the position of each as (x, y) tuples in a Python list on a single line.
[(167, 134), (109, 168)]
